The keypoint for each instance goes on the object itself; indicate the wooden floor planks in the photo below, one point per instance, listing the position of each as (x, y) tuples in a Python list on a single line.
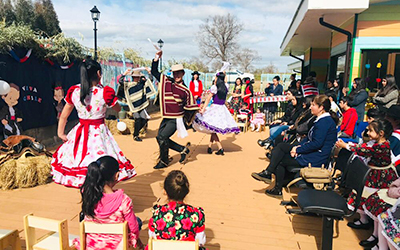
[(238, 213)]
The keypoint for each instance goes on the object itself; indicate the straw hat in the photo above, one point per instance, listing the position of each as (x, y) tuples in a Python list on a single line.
[(177, 67), (136, 73)]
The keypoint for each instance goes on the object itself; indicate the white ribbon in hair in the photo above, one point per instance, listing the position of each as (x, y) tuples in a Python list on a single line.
[(225, 66)]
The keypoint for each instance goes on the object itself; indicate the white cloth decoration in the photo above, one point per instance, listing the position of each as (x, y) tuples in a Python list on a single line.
[(225, 66), (182, 133)]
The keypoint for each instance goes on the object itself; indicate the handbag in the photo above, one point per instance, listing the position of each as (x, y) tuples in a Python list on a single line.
[(316, 175)]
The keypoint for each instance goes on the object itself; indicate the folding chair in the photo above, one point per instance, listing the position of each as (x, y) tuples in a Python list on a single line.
[(9, 238), (57, 238), (245, 124), (172, 244), (97, 228), (330, 205)]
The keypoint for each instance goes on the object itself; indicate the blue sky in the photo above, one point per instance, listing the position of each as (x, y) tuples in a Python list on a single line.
[(125, 24)]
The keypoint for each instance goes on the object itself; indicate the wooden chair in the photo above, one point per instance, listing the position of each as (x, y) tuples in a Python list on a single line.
[(245, 124), (57, 238), (9, 238), (97, 228), (172, 244)]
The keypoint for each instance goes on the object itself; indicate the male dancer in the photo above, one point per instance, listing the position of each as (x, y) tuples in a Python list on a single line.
[(176, 101), (136, 94)]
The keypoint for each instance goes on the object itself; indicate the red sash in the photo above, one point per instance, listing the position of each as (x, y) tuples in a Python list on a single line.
[(84, 126)]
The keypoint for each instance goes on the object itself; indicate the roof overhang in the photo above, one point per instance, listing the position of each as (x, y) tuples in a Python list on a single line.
[(305, 31)]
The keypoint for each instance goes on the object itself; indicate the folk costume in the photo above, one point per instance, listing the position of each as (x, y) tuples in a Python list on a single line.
[(216, 118), (136, 95), (89, 139), (176, 103), (196, 88)]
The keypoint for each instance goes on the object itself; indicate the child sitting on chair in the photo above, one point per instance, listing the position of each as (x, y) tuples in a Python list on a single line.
[(177, 220), (244, 111), (102, 204), (258, 120)]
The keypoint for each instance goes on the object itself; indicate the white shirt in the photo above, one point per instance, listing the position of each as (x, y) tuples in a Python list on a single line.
[(326, 114), (196, 85)]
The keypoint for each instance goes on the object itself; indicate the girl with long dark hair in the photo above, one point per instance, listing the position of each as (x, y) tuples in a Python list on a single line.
[(388, 94), (102, 204), (90, 138), (358, 97), (216, 119)]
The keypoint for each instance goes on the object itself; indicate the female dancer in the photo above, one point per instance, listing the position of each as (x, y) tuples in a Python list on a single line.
[(90, 138), (216, 118)]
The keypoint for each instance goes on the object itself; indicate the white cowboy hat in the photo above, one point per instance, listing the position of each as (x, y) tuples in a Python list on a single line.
[(177, 67)]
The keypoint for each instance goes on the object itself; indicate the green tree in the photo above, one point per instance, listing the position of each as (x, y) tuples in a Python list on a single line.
[(7, 12), (40, 22), (135, 57), (25, 12), (51, 18)]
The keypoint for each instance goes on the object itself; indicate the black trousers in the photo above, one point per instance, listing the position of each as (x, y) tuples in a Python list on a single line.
[(280, 160), (139, 124), (166, 130)]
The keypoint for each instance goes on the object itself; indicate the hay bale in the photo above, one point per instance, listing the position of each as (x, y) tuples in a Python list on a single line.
[(43, 165), (7, 174), (26, 174), (112, 126)]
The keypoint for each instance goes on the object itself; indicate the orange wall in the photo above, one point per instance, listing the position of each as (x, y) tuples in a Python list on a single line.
[(378, 28)]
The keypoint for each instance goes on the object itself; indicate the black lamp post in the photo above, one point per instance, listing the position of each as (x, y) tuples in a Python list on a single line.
[(95, 17), (160, 44)]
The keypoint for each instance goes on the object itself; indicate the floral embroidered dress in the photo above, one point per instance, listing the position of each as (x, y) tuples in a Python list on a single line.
[(381, 174), (390, 223), (236, 102), (112, 208), (89, 139), (177, 221), (258, 118)]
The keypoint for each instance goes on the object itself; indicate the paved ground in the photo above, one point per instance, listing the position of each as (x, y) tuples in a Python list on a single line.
[(238, 213)]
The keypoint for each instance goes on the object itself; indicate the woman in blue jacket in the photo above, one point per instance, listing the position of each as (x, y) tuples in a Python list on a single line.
[(314, 149)]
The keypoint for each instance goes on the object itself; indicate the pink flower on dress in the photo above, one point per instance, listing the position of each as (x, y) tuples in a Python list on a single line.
[(100, 152), (164, 209), (161, 224), (88, 108), (187, 224), (172, 231), (95, 91), (120, 153), (172, 205)]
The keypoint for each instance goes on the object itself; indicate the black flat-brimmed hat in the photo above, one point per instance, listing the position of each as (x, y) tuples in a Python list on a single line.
[(393, 111), (196, 73)]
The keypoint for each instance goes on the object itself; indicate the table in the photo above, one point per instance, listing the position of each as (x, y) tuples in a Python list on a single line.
[(278, 98)]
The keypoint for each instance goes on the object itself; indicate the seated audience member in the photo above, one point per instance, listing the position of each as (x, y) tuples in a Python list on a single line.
[(334, 107), (244, 111), (299, 90), (349, 118), (314, 149), (372, 115), (102, 204), (381, 174), (376, 204), (358, 97), (258, 120), (177, 220), (389, 227), (293, 110), (388, 95)]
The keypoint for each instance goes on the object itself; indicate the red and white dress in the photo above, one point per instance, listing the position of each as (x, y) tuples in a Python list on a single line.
[(89, 139)]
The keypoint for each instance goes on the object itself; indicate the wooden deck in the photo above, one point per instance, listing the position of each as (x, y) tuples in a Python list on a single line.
[(238, 213)]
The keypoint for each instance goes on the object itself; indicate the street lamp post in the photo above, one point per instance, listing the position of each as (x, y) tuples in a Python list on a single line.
[(95, 17), (160, 44)]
